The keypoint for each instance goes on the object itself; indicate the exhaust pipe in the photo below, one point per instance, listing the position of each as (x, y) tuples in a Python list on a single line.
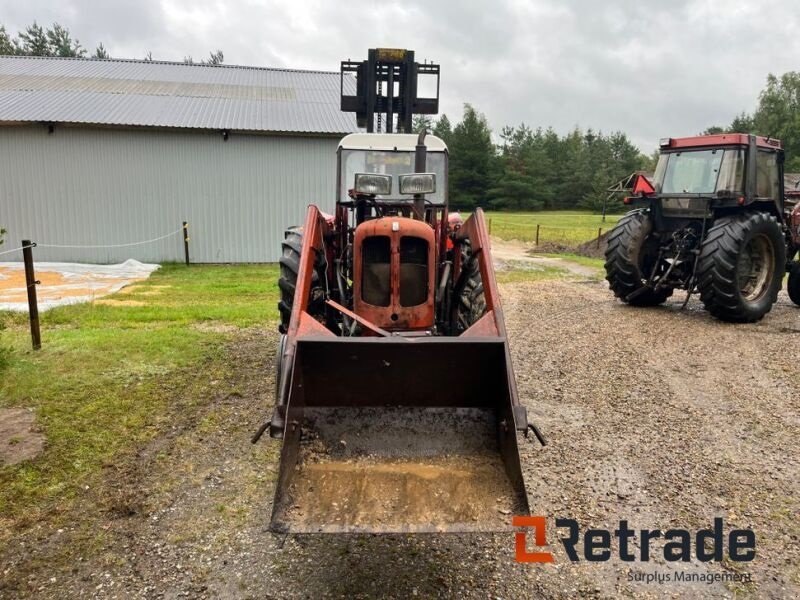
[(420, 166)]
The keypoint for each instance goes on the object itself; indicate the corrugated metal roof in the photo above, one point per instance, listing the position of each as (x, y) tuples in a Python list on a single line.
[(166, 94)]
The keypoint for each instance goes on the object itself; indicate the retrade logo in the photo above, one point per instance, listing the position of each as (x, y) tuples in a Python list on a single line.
[(599, 545), (540, 536)]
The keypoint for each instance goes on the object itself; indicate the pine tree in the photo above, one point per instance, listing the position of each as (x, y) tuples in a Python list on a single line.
[(101, 52), (33, 41), (6, 44), (472, 160), (443, 130), (421, 122), (215, 58), (61, 42)]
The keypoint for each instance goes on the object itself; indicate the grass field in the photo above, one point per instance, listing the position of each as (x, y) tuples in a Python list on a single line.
[(107, 374), (567, 228)]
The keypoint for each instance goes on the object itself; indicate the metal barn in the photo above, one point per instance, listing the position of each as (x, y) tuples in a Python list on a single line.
[(112, 152)]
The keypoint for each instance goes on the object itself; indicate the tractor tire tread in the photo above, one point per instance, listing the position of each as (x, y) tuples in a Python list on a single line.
[(717, 279)]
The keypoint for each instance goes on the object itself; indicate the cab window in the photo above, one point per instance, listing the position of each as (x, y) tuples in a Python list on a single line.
[(766, 174)]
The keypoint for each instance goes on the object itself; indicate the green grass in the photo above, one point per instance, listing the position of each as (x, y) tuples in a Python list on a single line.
[(519, 274), (563, 227), (107, 375), (586, 261)]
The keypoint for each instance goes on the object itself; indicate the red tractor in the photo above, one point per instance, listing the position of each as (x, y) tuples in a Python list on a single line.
[(396, 399), (711, 222)]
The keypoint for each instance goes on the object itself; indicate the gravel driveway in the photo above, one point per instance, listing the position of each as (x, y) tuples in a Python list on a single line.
[(663, 417)]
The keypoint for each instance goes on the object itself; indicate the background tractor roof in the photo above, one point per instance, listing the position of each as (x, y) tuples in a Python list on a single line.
[(722, 139)]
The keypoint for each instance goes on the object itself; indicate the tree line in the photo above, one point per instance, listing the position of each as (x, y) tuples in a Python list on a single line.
[(533, 169), (777, 115), (57, 40)]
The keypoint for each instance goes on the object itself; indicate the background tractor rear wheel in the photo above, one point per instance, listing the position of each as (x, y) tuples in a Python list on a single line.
[(631, 256), (289, 263), (793, 284), (741, 267)]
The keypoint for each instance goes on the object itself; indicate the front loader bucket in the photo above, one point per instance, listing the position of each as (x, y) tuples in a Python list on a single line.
[(395, 434)]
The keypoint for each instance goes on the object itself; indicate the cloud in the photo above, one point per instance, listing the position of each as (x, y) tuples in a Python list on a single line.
[(649, 69)]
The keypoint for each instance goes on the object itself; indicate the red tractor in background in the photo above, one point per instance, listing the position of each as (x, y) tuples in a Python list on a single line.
[(711, 222), (396, 399)]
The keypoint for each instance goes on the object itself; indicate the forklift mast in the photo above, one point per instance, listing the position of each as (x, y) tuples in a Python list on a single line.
[(397, 70)]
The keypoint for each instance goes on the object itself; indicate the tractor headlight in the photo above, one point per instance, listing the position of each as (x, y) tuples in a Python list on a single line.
[(418, 183), (373, 184)]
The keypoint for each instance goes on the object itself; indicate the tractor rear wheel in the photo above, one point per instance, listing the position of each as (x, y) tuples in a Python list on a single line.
[(793, 283), (631, 256), (289, 262), (741, 267)]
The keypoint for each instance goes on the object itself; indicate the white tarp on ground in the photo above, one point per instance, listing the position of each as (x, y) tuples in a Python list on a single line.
[(67, 283)]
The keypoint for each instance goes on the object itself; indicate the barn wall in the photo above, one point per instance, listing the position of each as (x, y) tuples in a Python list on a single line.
[(87, 186)]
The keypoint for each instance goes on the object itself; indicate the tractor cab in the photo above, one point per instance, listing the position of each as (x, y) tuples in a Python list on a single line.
[(698, 176), (394, 212)]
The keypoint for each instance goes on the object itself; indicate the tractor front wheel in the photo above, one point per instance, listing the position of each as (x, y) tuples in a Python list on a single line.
[(793, 283), (471, 301), (289, 262), (631, 256), (741, 267)]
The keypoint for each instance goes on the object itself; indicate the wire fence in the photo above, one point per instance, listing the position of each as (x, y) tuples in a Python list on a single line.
[(540, 234), (94, 246), (20, 249), (567, 236), (30, 276)]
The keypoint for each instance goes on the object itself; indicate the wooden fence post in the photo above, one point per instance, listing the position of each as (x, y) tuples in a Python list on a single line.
[(31, 283), (186, 241), (537, 234), (599, 233)]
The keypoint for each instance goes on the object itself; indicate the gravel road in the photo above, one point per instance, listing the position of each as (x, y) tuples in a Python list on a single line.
[(663, 417)]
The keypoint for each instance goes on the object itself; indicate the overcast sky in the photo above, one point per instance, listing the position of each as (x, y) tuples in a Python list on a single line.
[(648, 68)]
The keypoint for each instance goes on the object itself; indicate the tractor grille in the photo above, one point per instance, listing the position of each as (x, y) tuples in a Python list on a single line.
[(376, 283), (413, 271)]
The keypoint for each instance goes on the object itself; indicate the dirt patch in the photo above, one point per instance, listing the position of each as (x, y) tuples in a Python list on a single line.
[(150, 290), (506, 254), (595, 248), (412, 494), (19, 440), (113, 302), (215, 327), (568, 265)]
